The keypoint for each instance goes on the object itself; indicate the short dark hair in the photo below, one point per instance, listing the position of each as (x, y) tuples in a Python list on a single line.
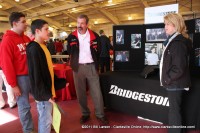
[(153, 48), (15, 17), (101, 32), (85, 17), (37, 24)]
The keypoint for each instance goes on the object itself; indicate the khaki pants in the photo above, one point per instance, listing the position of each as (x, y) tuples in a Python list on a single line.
[(88, 73)]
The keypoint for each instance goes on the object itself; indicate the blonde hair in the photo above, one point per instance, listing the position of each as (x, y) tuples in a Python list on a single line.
[(178, 22)]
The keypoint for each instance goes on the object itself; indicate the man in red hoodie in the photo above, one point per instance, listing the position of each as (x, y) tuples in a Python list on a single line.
[(14, 65), (11, 98)]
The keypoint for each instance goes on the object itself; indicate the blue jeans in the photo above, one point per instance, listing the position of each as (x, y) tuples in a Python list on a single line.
[(44, 116), (24, 105)]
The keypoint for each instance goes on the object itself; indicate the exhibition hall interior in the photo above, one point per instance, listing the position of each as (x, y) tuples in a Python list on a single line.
[(129, 82)]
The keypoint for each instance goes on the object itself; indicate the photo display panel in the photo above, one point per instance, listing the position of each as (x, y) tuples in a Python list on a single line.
[(128, 45), (152, 38)]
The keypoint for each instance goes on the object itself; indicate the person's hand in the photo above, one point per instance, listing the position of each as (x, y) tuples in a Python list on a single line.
[(67, 84), (17, 91), (51, 101)]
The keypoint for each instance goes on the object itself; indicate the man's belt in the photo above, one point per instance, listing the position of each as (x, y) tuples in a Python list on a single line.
[(86, 63)]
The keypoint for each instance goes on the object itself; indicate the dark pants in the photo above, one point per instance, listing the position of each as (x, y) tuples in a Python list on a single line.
[(105, 62), (175, 111)]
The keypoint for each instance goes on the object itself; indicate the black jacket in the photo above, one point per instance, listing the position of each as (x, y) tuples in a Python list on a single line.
[(105, 46), (175, 69), (73, 47), (39, 74), (51, 48)]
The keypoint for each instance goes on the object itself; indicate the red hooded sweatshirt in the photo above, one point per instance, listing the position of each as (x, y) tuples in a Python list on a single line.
[(13, 55), (0, 56)]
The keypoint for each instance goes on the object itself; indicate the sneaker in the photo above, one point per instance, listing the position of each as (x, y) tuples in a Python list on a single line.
[(84, 119), (13, 106), (103, 120), (2, 107)]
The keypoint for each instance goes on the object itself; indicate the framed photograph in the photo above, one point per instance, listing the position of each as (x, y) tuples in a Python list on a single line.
[(121, 56), (119, 36), (197, 26), (153, 53), (135, 41), (197, 57), (156, 35)]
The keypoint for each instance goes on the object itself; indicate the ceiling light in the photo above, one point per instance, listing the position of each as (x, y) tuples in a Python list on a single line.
[(130, 17), (29, 19), (1, 6), (70, 25), (17, 0), (73, 10), (110, 3), (95, 22), (50, 28), (47, 15)]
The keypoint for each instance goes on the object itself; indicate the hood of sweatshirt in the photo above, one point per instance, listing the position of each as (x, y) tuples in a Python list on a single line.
[(13, 34)]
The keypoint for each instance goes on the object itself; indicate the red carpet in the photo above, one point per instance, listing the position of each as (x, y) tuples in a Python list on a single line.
[(70, 121)]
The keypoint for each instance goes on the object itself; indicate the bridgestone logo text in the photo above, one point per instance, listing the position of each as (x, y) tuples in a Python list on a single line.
[(143, 97)]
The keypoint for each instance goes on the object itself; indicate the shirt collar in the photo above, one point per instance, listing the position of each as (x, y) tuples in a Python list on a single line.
[(82, 35)]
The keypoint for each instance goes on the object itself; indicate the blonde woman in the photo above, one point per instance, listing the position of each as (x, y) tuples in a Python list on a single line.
[(174, 67)]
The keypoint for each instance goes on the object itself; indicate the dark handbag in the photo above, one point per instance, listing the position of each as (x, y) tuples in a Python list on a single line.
[(59, 83)]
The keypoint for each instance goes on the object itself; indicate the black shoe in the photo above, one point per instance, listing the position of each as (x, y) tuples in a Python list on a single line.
[(103, 120), (84, 119), (106, 109)]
